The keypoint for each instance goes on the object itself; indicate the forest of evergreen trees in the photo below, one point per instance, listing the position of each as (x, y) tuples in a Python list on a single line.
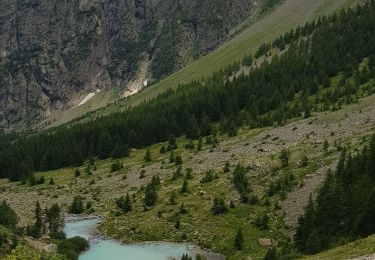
[(329, 46), (345, 206)]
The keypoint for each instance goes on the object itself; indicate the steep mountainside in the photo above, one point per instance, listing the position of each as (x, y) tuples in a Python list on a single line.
[(52, 54)]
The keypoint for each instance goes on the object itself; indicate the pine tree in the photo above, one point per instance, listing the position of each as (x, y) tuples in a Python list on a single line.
[(284, 157), (178, 224), (186, 257), (77, 173), (271, 254), (150, 195), (77, 205), (184, 188), (172, 198), (219, 206), (147, 156), (37, 228), (239, 240), (125, 204), (53, 218), (226, 167)]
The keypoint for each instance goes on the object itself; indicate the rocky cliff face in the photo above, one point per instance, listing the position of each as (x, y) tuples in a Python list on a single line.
[(54, 52)]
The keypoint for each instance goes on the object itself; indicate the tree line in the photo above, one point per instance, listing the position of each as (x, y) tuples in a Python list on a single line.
[(271, 93), (345, 206)]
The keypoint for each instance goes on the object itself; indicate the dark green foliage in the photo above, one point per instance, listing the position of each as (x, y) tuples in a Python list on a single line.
[(72, 247), (190, 145), (226, 167), (262, 221), (155, 180), (282, 185), (142, 174), (35, 230), (172, 143), (188, 174), (178, 160), (58, 235), (116, 166), (184, 188), (241, 183), (3, 238), (77, 173), (177, 173), (186, 257), (219, 206), (125, 204), (247, 60), (172, 157), (147, 156), (178, 224), (305, 161), (268, 5), (51, 181), (344, 208), (8, 217), (199, 146), (77, 206), (104, 148), (172, 198), (163, 150), (209, 176), (271, 254), (150, 195), (239, 240), (53, 218), (32, 180), (264, 97), (199, 257), (120, 151), (284, 158), (183, 209)]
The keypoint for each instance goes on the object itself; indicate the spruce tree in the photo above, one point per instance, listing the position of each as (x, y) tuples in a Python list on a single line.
[(147, 156), (184, 188), (125, 204), (239, 240), (37, 228)]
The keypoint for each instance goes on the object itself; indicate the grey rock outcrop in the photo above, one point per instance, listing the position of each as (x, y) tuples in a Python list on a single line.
[(54, 52)]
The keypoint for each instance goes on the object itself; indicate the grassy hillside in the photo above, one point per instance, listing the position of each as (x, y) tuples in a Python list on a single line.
[(257, 149), (355, 249), (282, 163), (289, 15)]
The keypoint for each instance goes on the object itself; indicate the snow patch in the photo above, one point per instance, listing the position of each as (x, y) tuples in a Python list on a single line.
[(88, 97)]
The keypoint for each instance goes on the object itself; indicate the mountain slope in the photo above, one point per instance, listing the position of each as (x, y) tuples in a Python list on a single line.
[(52, 54), (289, 15), (243, 145)]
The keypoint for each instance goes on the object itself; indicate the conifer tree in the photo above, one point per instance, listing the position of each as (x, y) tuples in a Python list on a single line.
[(239, 240)]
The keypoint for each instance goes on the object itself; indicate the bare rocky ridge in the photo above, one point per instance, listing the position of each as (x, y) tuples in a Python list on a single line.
[(52, 54)]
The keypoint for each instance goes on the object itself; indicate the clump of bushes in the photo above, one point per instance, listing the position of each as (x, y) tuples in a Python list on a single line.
[(72, 247)]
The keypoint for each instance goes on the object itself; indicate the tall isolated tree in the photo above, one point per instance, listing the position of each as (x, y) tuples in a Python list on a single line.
[(239, 240)]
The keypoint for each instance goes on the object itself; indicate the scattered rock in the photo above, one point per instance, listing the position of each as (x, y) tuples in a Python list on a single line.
[(266, 242)]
